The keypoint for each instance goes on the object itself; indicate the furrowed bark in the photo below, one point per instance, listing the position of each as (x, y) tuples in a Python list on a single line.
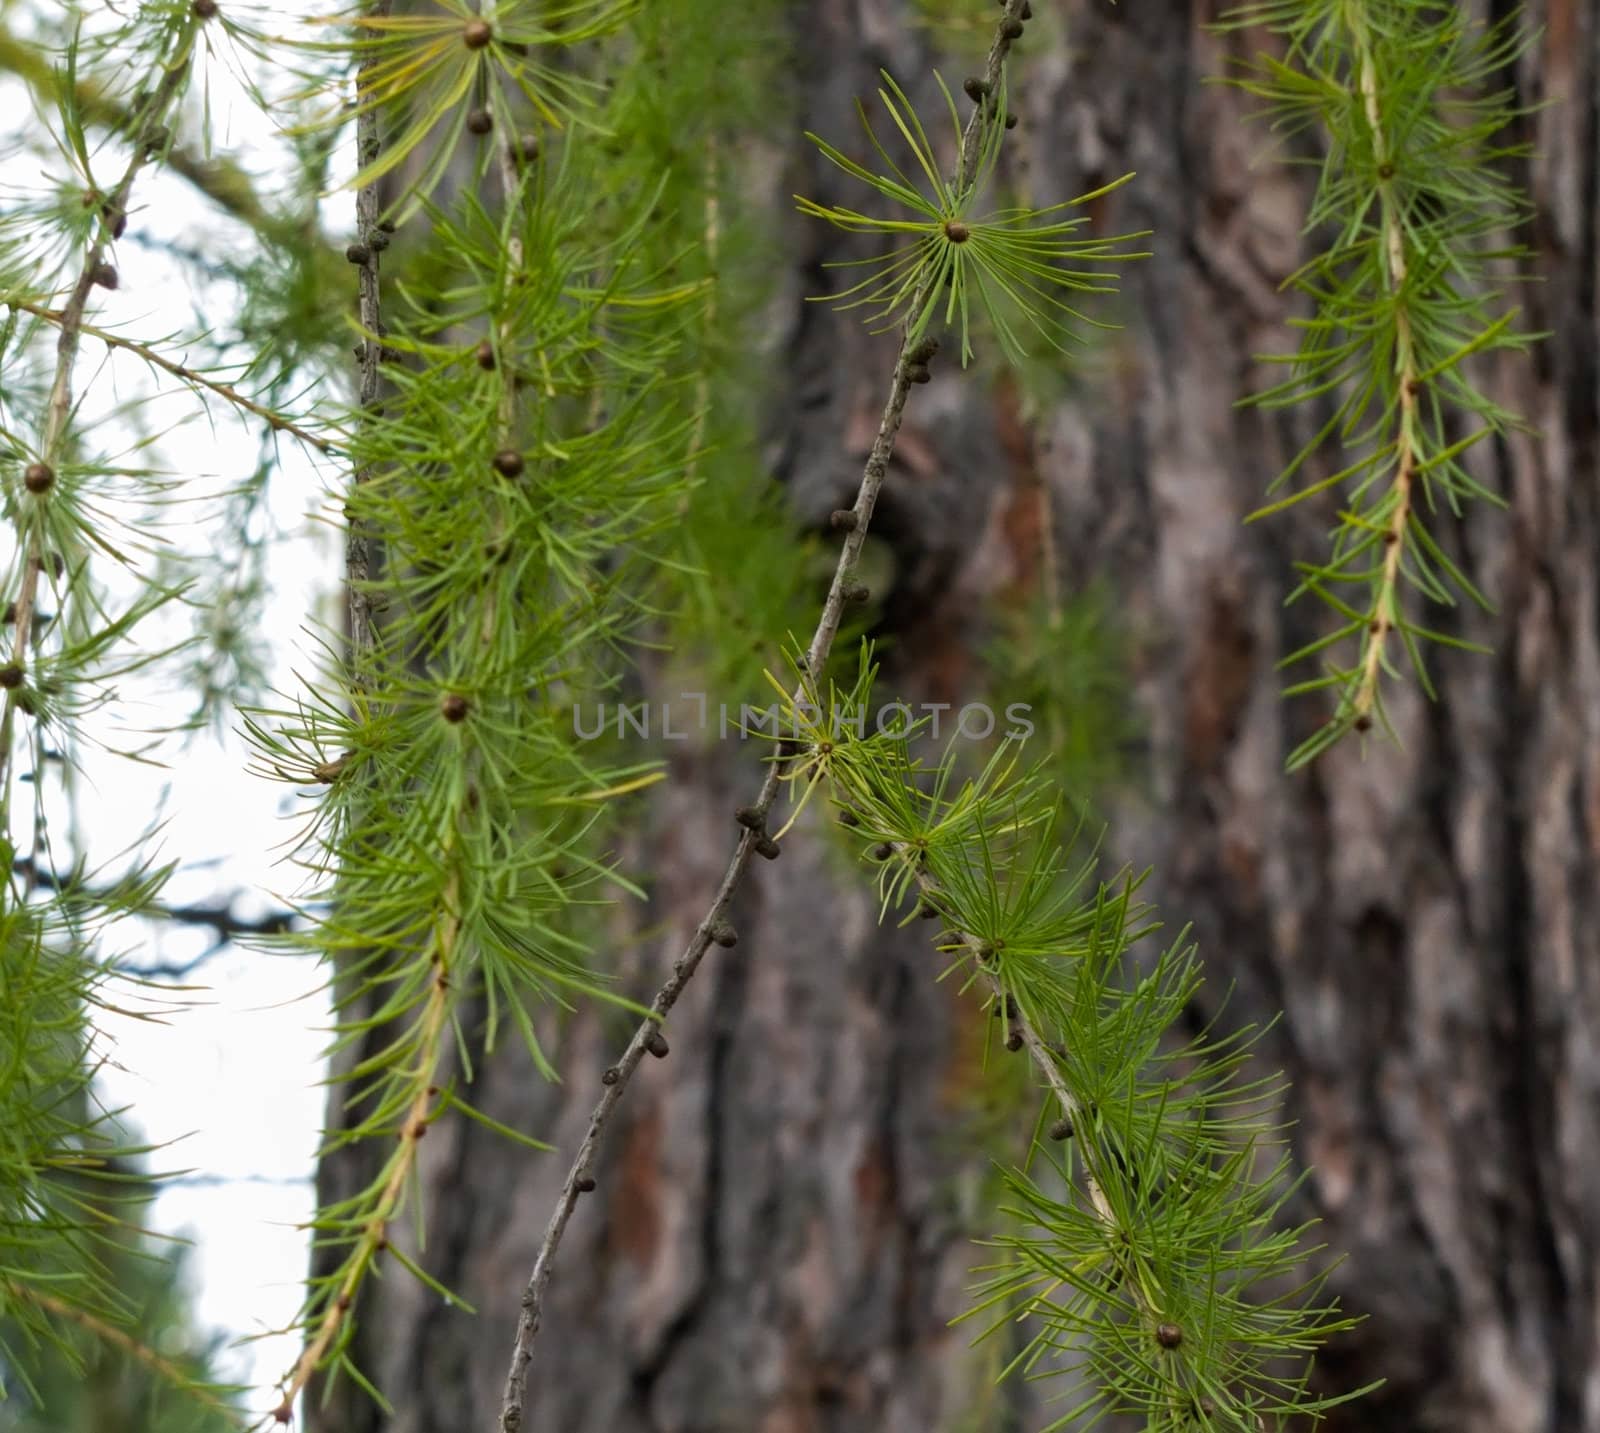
[(783, 1221), (580, 1176)]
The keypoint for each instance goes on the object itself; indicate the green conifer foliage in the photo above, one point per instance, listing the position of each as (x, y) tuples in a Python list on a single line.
[(546, 471), (71, 499), (1412, 217)]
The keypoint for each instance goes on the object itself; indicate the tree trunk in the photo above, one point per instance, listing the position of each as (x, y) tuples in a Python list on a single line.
[(783, 1223)]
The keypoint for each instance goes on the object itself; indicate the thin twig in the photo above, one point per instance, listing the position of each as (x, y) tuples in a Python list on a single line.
[(511, 182), (220, 180), (373, 239), (118, 1338), (121, 1339), (273, 419), (1038, 1049), (218, 917), (1386, 605), (58, 407), (580, 1176), (358, 574), (420, 1110), (1044, 1059), (436, 1017)]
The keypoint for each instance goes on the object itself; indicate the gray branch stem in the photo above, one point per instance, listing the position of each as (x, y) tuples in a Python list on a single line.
[(580, 1177)]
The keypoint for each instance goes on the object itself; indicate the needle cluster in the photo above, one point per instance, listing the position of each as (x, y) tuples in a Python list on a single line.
[(1411, 218)]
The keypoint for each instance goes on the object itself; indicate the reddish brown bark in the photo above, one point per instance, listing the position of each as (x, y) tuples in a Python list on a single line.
[(781, 1230)]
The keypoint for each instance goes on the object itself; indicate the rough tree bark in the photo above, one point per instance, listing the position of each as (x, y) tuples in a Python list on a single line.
[(783, 1221)]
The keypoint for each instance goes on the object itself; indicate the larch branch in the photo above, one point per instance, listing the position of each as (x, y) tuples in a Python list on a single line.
[(580, 1177)]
